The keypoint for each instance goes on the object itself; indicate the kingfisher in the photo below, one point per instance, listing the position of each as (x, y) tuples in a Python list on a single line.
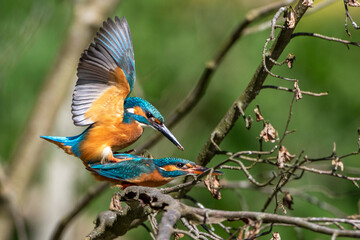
[(106, 77), (142, 171)]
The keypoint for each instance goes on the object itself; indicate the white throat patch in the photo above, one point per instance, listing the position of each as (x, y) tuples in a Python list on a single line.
[(130, 110), (143, 125)]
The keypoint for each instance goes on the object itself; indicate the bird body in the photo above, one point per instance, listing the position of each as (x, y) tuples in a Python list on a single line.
[(138, 170), (106, 77), (103, 139)]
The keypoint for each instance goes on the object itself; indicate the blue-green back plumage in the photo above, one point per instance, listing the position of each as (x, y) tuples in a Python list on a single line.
[(131, 169), (125, 170)]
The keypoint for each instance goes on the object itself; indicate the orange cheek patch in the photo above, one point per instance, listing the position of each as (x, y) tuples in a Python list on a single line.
[(170, 168), (157, 121), (139, 111), (189, 165)]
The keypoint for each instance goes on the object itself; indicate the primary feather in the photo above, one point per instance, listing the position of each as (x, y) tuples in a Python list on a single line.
[(106, 75)]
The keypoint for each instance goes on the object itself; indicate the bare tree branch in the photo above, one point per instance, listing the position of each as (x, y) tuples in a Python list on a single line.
[(252, 90), (154, 199), (198, 92), (110, 225), (168, 220)]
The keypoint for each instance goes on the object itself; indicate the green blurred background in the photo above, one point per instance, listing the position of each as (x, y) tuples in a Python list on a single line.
[(172, 42)]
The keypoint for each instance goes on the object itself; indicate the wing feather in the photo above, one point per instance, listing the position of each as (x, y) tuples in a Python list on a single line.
[(125, 170), (106, 75)]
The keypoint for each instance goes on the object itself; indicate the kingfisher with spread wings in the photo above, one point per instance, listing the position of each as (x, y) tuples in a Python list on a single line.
[(106, 77)]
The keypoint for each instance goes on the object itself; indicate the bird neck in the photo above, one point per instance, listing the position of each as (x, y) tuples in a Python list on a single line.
[(130, 117)]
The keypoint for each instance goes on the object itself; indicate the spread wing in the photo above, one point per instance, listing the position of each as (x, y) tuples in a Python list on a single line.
[(106, 75)]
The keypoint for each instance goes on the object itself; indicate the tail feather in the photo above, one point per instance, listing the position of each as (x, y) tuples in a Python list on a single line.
[(62, 142), (69, 144)]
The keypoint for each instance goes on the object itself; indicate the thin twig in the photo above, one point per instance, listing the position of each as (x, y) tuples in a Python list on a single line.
[(293, 90), (248, 175), (348, 16), (267, 24), (282, 182), (330, 173), (288, 120), (266, 56), (333, 39)]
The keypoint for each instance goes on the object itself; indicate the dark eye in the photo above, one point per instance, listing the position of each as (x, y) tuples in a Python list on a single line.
[(180, 165), (149, 115)]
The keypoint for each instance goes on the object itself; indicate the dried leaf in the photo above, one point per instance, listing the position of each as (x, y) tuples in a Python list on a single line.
[(353, 3), (337, 163), (241, 233), (308, 3), (298, 94), (276, 236), (249, 122), (178, 236), (115, 204), (290, 20), (268, 133), (284, 156), (290, 60), (258, 115), (283, 209), (213, 185), (287, 200), (254, 231)]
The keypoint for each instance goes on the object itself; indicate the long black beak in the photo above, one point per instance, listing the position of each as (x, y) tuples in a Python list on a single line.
[(200, 169), (166, 132)]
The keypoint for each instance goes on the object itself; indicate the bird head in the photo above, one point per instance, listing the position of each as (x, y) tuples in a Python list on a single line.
[(146, 114), (176, 167)]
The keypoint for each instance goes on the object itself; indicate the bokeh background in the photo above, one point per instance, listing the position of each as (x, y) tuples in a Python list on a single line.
[(172, 42)]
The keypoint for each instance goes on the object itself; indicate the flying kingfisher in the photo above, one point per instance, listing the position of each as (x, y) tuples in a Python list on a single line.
[(142, 171), (106, 77)]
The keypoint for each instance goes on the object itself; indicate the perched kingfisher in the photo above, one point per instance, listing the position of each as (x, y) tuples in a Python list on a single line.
[(106, 76), (142, 171)]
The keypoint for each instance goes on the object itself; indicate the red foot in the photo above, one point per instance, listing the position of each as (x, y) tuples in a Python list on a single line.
[(113, 159)]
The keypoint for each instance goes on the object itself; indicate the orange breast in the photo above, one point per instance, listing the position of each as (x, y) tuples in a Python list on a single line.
[(116, 136), (148, 180), (153, 179)]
